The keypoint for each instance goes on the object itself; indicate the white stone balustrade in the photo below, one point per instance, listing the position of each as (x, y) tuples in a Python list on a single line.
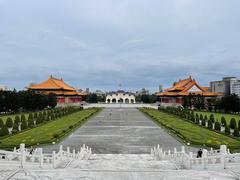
[(220, 158), (23, 157)]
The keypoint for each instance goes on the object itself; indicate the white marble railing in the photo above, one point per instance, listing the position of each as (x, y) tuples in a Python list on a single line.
[(218, 158), (23, 157)]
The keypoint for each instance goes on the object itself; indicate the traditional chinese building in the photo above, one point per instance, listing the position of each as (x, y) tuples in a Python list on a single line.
[(65, 94), (175, 95)]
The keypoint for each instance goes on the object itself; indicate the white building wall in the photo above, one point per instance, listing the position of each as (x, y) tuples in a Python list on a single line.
[(120, 98)]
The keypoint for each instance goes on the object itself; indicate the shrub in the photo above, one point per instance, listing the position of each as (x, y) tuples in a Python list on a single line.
[(201, 117), (210, 126), (205, 118), (4, 131), (227, 129), (23, 118), (197, 119), (70, 127), (223, 121), (17, 119), (212, 118), (217, 126), (239, 124), (9, 122), (30, 121), (233, 123), (1, 123), (35, 116), (15, 126), (203, 122), (55, 136), (236, 132), (30, 116), (14, 131), (24, 124)]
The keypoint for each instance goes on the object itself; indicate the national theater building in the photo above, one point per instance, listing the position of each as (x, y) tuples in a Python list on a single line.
[(66, 95), (183, 88)]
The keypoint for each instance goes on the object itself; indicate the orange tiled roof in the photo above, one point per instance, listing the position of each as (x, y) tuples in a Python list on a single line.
[(65, 93), (182, 87), (53, 84)]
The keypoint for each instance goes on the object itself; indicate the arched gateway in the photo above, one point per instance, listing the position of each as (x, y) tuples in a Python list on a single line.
[(120, 97)]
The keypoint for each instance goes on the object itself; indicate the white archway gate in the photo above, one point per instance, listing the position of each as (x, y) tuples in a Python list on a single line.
[(120, 97)]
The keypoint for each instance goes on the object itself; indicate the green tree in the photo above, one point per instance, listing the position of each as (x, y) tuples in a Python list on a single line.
[(1, 123), (203, 122), (197, 118), (23, 118), (223, 121), (227, 129), (201, 117), (4, 131), (236, 132), (24, 124), (210, 125), (30, 121), (212, 118), (217, 126), (205, 118), (9, 122), (230, 103), (238, 124), (233, 123)]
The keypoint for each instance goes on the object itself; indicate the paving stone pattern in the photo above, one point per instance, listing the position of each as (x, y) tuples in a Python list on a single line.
[(119, 131)]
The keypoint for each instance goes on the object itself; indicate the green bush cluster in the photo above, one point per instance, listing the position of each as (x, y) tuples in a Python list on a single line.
[(21, 122), (199, 119)]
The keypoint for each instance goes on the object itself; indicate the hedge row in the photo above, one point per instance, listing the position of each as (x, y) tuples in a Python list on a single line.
[(210, 122), (20, 123)]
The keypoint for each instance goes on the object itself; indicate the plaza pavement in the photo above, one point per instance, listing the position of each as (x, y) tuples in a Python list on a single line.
[(119, 131)]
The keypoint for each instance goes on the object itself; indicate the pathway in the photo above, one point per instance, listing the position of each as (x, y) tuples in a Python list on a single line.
[(119, 131)]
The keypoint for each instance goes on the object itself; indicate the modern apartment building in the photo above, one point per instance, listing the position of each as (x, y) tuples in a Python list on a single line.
[(227, 86)]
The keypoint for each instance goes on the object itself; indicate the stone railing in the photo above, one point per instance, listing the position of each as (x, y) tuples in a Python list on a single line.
[(214, 158), (23, 157)]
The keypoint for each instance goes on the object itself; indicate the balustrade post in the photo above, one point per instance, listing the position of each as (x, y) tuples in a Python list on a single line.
[(40, 150), (61, 152), (68, 152), (23, 155), (183, 149), (190, 160), (204, 158), (223, 151), (74, 153), (54, 159)]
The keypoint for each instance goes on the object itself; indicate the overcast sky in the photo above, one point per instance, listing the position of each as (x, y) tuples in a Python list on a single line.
[(103, 43)]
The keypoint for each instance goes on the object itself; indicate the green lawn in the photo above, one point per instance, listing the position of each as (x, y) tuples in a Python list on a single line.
[(218, 116), (190, 132), (50, 131)]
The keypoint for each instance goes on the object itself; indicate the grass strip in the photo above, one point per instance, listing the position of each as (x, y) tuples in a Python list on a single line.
[(190, 132)]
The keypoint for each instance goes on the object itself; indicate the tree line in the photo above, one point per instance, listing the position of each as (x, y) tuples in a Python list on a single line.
[(231, 128), (227, 104), (16, 101)]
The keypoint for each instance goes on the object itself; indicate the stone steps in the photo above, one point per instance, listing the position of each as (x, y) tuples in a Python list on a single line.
[(123, 162)]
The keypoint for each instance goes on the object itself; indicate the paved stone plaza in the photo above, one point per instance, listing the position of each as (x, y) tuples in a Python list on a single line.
[(119, 131)]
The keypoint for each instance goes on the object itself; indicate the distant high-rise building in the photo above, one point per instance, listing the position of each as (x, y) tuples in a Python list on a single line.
[(143, 91), (87, 90), (160, 88), (229, 85)]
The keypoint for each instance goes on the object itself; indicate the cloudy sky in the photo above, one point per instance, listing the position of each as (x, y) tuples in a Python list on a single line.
[(103, 43)]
